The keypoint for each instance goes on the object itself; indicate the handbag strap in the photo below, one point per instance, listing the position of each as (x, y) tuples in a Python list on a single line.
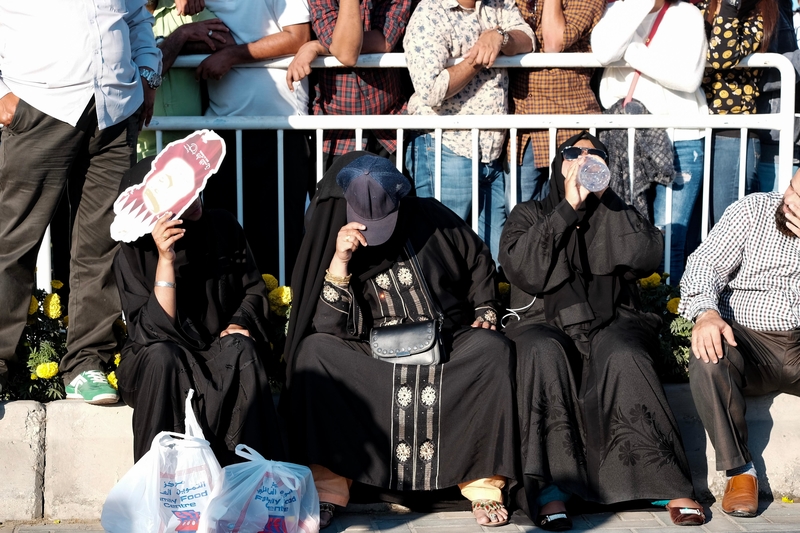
[(414, 261), (637, 74)]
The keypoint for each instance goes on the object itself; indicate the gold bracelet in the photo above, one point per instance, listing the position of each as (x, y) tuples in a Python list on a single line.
[(336, 279)]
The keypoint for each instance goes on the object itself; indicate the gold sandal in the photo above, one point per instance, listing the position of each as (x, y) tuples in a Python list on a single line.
[(489, 507)]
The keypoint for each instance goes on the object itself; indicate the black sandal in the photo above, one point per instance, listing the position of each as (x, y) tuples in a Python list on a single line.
[(554, 522), (330, 510)]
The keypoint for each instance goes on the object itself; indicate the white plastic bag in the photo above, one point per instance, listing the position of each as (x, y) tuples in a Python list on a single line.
[(262, 496), (169, 488)]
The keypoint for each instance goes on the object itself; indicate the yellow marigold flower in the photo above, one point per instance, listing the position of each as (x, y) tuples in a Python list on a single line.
[(504, 287), (34, 376), (66, 320), (34, 305), (270, 281), (52, 305), (112, 379), (786, 499), (672, 305), (650, 282), (47, 370), (117, 358), (56, 284), (280, 297)]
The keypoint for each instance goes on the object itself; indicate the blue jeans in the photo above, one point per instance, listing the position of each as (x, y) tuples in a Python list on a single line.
[(532, 181), (457, 186), (768, 168), (685, 190), (725, 172)]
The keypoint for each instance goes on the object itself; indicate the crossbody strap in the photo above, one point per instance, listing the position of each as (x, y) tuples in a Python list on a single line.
[(637, 74), (414, 261)]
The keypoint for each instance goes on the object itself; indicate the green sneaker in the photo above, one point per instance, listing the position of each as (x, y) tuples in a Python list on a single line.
[(92, 386)]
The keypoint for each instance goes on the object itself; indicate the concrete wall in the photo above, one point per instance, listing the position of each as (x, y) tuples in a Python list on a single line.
[(87, 449)]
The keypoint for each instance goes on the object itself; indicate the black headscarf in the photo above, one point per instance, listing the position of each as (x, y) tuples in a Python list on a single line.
[(585, 301), (209, 261)]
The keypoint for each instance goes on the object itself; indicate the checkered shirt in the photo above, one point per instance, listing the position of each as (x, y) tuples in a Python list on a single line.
[(555, 90), (360, 91), (746, 269)]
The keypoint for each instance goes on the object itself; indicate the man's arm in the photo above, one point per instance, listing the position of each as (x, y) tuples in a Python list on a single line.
[(286, 42), (561, 28), (144, 52), (194, 38), (341, 30), (708, 271)]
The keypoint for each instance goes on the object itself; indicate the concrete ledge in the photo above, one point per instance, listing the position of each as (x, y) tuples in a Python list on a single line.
[(773, 423), (89, 448), (22, 434)]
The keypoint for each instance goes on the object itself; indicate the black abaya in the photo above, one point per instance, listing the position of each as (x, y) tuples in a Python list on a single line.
[(594, 418), (218, 284)]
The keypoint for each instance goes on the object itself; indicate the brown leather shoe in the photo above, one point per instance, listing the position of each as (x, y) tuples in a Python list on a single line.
[(687, 516), (741, 496)]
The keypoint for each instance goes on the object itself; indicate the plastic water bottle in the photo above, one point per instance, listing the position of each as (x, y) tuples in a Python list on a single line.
[(594, 174)]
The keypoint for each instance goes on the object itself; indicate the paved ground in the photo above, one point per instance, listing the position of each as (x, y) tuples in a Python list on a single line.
[(772, 517)]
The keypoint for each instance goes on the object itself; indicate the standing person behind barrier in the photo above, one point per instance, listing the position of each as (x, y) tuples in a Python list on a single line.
[(769, 99), (742, 289), (671, 67), (73, 75), (179, 94), (441, 30), (344, 30), (559, 27), (261, 29), (196, 307), (353, 417), (735, 29), (594, 419)]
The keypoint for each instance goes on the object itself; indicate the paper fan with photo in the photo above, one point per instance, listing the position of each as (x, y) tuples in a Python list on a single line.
[(177, 176)]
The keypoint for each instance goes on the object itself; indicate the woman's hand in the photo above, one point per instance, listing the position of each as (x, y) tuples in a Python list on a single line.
[(234, 328), (347, 242), (574, 192), (165, 234)]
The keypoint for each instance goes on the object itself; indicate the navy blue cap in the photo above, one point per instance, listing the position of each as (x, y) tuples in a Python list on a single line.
[(373, 188)]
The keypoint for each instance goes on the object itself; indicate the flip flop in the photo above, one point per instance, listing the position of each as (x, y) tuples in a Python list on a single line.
[(330, 510), (489, 506)]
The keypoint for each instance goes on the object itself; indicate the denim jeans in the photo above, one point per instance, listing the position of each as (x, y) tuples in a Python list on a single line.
[(768, 168), (725, 172), (685, 189), (532, 180), (457, 186)]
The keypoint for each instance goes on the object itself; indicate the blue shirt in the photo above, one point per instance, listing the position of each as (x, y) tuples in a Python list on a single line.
[(56, 55)]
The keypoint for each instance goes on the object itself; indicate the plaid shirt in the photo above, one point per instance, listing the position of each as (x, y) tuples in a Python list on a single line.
[(746, 269), (555, 90), (360, 91)]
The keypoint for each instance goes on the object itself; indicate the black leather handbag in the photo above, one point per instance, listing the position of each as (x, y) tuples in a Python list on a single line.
[(417, 343)]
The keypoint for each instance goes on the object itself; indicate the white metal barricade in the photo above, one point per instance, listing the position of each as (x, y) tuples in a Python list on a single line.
[(783, 122)]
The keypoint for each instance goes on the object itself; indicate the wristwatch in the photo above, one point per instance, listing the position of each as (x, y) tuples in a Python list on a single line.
[(504, 34), (152, 78)]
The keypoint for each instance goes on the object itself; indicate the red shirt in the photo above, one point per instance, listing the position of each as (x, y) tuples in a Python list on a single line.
[(360, 91)]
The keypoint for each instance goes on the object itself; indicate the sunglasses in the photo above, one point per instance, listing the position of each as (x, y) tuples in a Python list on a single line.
[(574, 152)]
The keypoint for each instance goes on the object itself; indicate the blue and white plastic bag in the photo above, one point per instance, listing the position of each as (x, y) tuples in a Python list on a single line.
[(262, 496)]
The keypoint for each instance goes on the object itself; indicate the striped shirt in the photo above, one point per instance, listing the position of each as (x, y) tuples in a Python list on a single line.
[(746, 269)]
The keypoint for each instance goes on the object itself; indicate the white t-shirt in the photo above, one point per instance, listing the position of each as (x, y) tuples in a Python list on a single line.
[(255, 90), (672, 66)]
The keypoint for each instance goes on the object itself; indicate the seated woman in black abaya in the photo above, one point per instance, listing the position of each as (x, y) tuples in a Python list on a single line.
[(195, 306), (402, 427), (594, 420)]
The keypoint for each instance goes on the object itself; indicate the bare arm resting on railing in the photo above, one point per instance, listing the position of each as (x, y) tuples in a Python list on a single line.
[(286, 42), (194, 38)]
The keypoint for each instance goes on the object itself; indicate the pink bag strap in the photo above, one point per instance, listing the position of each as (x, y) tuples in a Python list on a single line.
[(636, 74)]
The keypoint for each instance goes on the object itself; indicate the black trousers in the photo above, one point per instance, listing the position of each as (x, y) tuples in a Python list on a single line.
[(762, 362), (233, 400), (40, 158), (260, 187)]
